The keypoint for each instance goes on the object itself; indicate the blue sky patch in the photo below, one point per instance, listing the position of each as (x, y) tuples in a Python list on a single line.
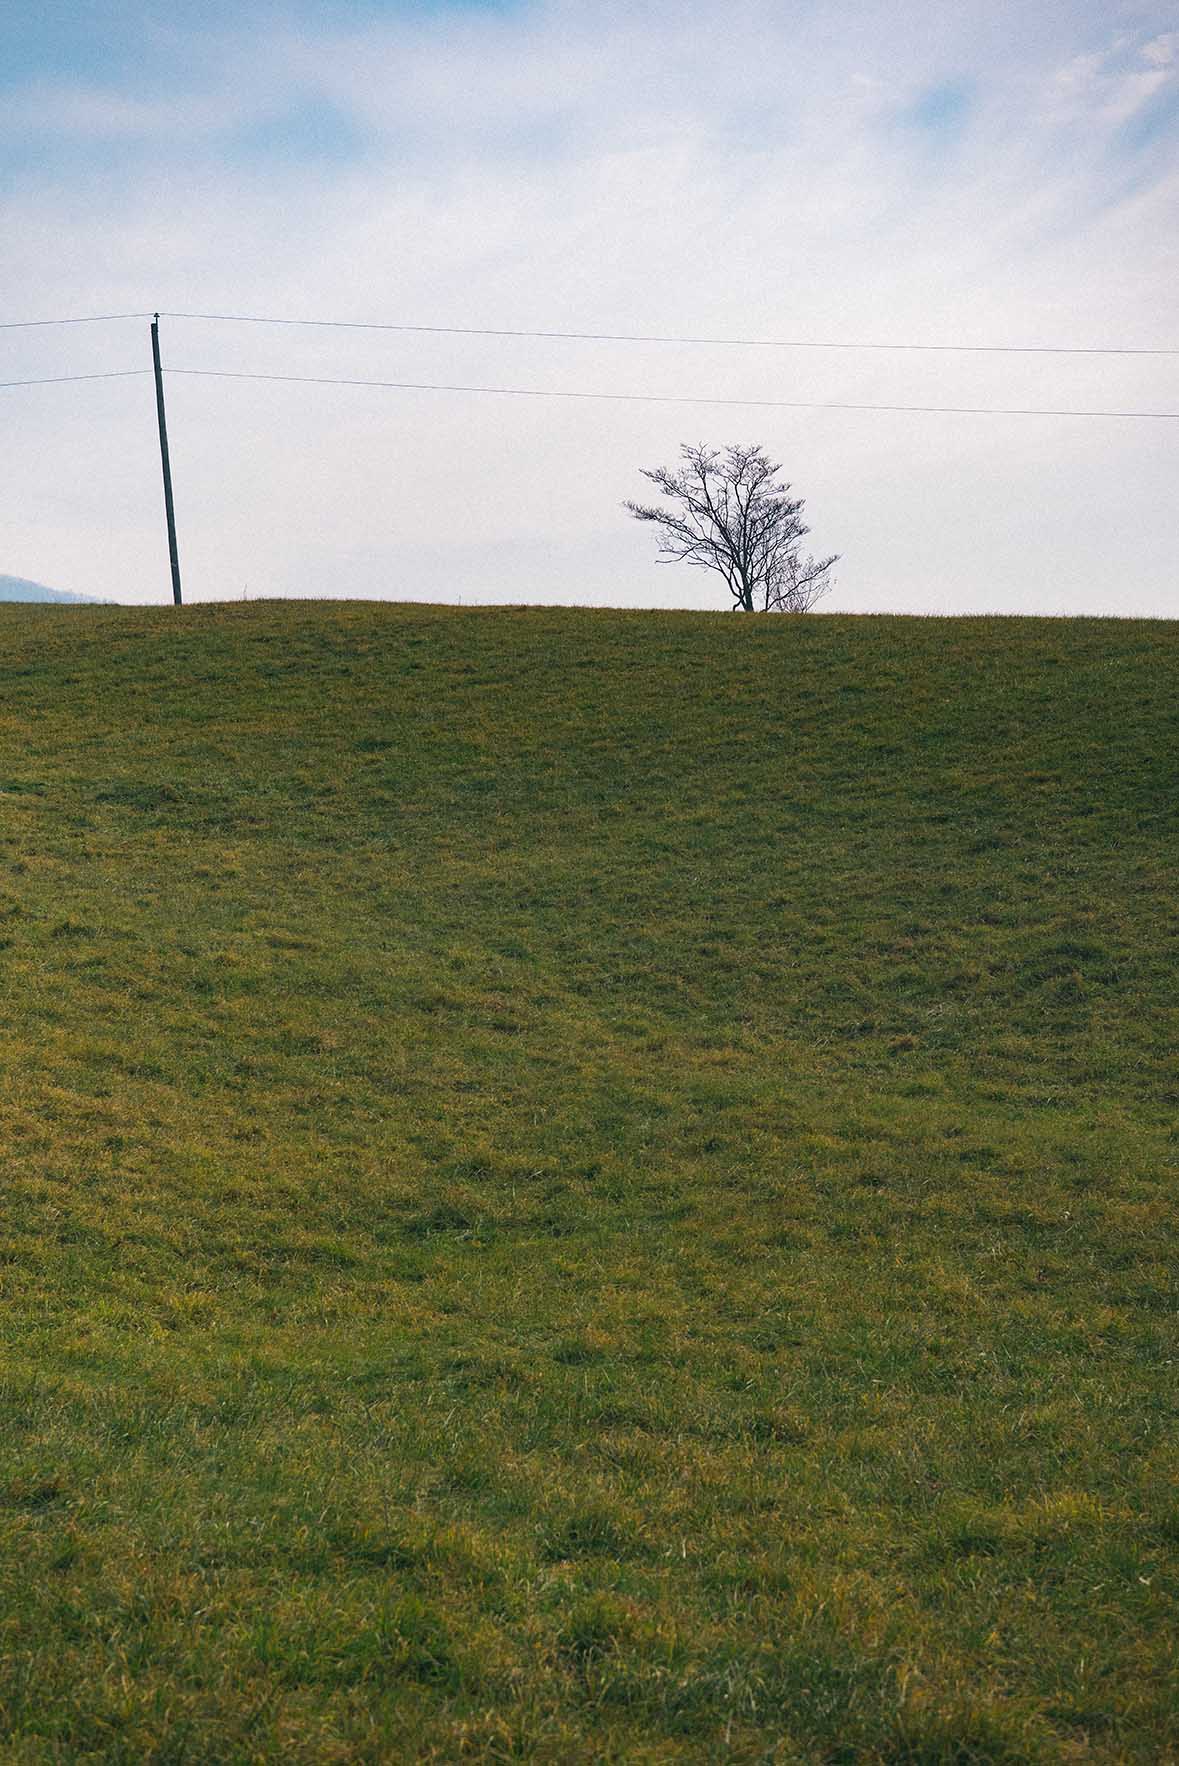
[(1152, 123), (309, 128), (100, 41), (942, 110)]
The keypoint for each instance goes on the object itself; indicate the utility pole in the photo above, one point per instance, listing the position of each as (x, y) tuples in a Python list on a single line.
[(168, 509)]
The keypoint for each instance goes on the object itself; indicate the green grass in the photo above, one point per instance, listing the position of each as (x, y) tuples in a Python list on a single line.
[(587, 1187)]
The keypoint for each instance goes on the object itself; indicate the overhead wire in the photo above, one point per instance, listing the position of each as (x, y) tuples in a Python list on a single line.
[(645, 398), (64, 379), (768, 343), (629, 398), (84, 319), (788, 343)]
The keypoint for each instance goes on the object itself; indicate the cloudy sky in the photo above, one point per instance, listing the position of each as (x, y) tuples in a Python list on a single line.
[(973, 173)]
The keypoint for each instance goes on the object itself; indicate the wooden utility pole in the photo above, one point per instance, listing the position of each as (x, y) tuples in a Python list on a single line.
[(168, 509)]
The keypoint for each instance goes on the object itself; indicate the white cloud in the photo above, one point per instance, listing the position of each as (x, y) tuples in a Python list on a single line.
[(1162, 51), (1111, 85)]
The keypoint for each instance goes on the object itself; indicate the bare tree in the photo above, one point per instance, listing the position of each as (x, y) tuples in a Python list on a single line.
[(726, 511)]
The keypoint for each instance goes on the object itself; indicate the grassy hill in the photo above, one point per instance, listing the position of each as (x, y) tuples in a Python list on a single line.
[(587, 1187)]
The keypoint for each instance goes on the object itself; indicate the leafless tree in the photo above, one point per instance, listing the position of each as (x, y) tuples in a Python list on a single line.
[(727, 511)]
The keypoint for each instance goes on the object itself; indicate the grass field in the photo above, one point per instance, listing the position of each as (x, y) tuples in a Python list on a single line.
[(587, 1187)]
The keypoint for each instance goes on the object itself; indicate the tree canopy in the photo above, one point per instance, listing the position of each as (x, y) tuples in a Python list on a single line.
[(727, 510)]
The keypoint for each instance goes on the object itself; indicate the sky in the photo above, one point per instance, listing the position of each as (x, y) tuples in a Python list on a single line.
[(813, 173)]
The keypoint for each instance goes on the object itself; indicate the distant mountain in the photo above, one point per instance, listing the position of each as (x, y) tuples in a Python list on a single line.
[(19, 588)]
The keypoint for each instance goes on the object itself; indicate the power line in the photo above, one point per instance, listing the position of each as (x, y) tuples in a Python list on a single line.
[(86, 319), (648, 398), (64, 379), (630, 398), (776, 343), (761, 343)]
